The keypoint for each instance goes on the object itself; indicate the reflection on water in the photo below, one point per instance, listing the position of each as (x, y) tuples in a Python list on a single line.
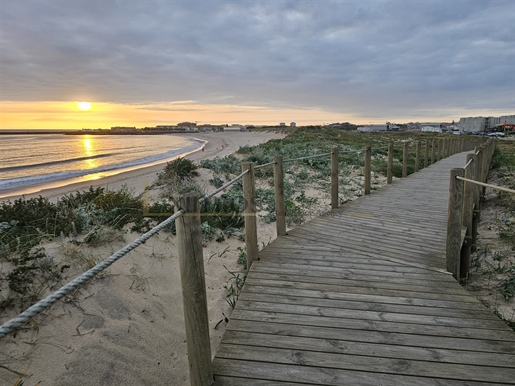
[(88, 151)]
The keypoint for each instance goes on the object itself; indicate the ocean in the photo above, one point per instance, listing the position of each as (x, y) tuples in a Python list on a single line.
[(31, 162)]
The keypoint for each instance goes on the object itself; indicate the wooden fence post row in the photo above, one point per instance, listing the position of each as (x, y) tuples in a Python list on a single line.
[(191, 262), (465, 207)]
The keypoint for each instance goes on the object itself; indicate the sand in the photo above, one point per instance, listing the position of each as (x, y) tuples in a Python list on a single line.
[(126, 327)]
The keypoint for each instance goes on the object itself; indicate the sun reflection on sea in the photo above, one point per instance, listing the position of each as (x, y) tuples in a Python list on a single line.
[(89, 151)]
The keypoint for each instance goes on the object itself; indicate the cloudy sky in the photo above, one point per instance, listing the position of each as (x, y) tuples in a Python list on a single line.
[(147, 62)]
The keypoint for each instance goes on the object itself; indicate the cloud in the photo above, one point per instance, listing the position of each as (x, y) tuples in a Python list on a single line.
[(370, 58)]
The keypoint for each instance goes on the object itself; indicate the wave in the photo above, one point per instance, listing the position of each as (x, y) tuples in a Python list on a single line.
[(52, 163), (45, 178)]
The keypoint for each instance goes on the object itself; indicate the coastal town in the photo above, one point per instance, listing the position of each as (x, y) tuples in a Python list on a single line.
[(469, 125)]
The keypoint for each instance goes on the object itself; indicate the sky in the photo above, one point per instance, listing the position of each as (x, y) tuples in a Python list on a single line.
[(155, 62)]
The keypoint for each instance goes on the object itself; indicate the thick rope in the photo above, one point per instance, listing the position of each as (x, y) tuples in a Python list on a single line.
[(209, 195), (486, 185), (264, 165), (46, 303), (311, 156)]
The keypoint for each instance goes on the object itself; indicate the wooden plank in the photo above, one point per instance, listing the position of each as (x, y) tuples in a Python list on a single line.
[(421, 347), (370, 306), (394, 366), (373, 316), (323, 376), (355, 287), (366, 299), (359, 274), (403, 333), (381, 270)]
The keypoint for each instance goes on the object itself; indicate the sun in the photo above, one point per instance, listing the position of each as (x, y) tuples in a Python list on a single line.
[(84, 106)]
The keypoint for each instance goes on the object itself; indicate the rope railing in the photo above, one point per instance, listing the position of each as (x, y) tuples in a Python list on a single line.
[(264, 165), (486, 185), (46, 303), (224, 186), (308, 157)]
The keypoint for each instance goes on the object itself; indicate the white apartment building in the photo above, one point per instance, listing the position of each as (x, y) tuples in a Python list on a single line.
[(472, 124)]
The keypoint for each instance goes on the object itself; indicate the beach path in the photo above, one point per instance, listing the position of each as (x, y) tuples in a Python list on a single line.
[(360, 296)]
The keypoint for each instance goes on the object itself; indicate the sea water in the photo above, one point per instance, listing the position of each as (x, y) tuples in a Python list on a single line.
[(31, 160)]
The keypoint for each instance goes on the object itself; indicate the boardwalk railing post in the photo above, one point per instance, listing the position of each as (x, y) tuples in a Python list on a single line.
[(249, 213), (440, 149), (454, 221), (426, 154), (433, 143), (405, 160), (368, 169), (280, 211), (191, 262), (334, 178), (468, 212), (389, 165), (417, 156)]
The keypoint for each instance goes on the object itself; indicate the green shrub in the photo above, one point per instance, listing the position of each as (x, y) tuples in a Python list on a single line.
[(179, 168), (229, 164)]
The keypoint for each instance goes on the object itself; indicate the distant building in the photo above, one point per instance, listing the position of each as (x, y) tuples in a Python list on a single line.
[(482, 124), (282, 124), (509, 119), (372, 128), (187, 124), (122, 129), (293, 124), (430, 129)]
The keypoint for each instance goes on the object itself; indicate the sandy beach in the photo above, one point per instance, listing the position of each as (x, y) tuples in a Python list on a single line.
[(126, 327)]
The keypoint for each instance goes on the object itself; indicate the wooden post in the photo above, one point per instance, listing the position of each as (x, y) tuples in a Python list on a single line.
[(444, 148), (405, 160), (196, 319), (280, 211), (478, 190), (417, 156), (389, 165), (249, 212), (426, 154), (368, 168), (440, 149), (468, 212), (334, 178), (475, 197), (454, 221), (433, 143)]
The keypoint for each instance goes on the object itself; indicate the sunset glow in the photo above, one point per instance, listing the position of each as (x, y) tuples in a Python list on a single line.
[(65, 115)]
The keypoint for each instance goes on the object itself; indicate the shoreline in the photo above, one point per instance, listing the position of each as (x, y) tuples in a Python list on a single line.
[(217, 144)]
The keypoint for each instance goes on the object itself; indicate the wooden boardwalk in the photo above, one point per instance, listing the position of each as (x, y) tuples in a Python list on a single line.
[(360, 296)]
